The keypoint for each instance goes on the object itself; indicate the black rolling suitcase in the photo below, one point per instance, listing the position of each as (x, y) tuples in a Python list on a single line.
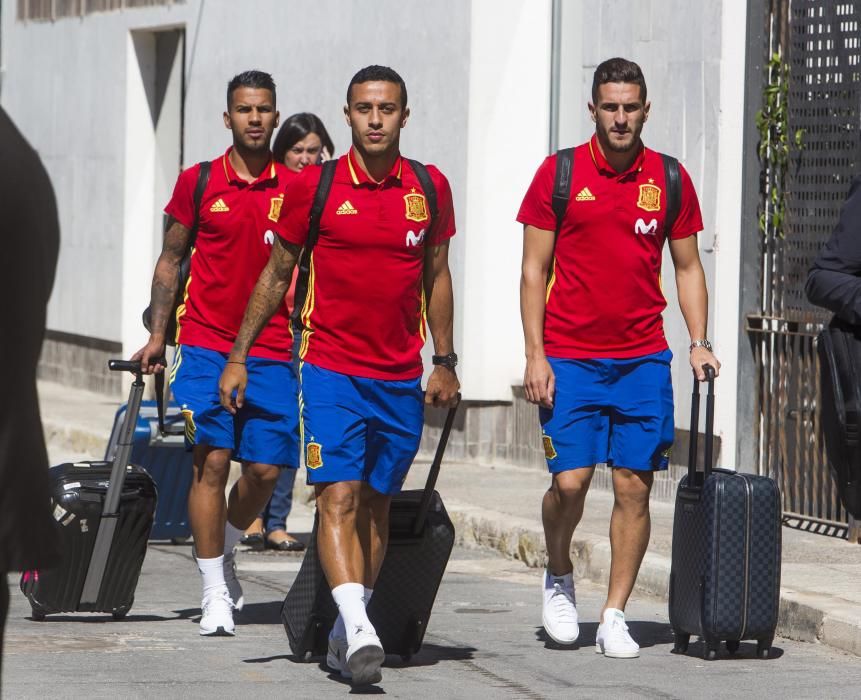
[(104, 513), (725, 575), (421, 537)]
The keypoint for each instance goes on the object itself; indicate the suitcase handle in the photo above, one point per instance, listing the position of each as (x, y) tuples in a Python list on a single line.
[(421, 516), (693, 479)]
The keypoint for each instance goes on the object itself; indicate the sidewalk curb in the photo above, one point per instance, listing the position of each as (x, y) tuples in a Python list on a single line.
[(803, 617)]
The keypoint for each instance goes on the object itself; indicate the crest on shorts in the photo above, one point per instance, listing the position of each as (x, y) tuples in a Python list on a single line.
[(314, 455), (416, 206), (275, 207), (650, 197), (549, 450)]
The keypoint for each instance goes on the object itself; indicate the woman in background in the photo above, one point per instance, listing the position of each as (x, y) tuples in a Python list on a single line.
[(302, 140)]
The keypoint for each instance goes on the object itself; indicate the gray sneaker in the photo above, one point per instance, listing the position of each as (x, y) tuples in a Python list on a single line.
[(336, 657)]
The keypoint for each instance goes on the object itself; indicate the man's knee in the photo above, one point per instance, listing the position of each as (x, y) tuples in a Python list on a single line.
[(632, 488), (570, 487), (338, 501), (211, 466), (263, 476)]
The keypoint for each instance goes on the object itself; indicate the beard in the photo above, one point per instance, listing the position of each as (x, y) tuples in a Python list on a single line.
[(632, 141)]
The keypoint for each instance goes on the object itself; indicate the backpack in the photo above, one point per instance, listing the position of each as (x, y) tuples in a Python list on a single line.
[(320, 196)]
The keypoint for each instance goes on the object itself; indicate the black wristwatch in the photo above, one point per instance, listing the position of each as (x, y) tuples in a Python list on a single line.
[(449, 360)]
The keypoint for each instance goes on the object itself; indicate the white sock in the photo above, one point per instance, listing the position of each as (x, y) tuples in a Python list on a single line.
[(212, 572), (232, 535), (339, 629), (351, 607)]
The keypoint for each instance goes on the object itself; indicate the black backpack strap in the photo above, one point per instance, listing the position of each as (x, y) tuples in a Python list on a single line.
[(425, 181), (202, 182), (327, 175), (562, 184), (673, 178)]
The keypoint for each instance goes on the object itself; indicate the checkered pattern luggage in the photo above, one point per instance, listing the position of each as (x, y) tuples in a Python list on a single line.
[(725, 575), (421, 537)]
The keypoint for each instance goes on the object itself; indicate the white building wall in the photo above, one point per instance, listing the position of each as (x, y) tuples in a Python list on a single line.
[(509, 100)]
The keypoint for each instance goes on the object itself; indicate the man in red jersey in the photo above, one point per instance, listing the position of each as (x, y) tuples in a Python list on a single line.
[(380, 262), (239, 219), (597, 362)]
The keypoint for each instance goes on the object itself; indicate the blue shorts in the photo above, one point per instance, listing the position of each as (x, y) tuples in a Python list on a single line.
[(614, 411), (264, 430), (359, 429)]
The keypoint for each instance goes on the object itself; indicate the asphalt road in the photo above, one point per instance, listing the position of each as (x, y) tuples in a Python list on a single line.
[(484, 641)]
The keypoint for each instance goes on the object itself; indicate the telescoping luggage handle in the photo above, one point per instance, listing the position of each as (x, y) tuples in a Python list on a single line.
[(422, 514), (110, 510), (693, 475)]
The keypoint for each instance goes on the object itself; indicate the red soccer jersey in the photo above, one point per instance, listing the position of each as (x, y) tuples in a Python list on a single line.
[(238, 224), (364, 312), (604, 295)]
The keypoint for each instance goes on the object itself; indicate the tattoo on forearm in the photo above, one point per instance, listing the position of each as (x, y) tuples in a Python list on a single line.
[(165, 282)]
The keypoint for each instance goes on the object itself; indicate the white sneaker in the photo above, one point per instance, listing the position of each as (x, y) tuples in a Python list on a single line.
[(336, 657), (559, 613), (217, 618), (232, 581), (364, 657), (612, 638)]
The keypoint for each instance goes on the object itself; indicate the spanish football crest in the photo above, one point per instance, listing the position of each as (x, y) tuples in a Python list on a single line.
[(650, 197), (416, 206), (314, 455), (275, 207), (549, 450)]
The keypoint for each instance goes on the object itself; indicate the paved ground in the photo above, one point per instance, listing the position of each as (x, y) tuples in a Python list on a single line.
[(484, 641)]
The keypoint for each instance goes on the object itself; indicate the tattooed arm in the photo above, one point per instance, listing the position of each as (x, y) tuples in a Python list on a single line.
[(268, 294), (165, 284)]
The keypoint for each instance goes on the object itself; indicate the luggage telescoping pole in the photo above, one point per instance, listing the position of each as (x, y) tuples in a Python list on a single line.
[(110, 511), (434, 470), (693, 480)]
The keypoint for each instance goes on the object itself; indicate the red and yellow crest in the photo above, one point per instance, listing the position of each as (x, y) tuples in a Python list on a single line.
[(416, 206), (275, 207), (314, 455), (650, 197), (549, 450)]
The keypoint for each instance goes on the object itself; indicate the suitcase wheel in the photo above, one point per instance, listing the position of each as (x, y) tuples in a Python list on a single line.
[(308, 656), (763, 648), (710, 651), (681, 643), (37, 614), (120, 613), (732, 645)]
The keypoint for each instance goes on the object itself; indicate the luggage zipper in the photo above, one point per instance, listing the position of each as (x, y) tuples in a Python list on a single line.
[(748, 525)]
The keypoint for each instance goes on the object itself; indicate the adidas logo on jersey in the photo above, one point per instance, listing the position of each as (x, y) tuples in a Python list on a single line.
[(219, 206), (346, 208), (585, 195)]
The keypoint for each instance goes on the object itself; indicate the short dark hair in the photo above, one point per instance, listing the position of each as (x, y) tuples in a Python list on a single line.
[(618, 70), (384, 73), (295, 128), (250, 79)]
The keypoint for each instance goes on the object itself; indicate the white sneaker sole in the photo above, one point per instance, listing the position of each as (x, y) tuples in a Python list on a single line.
[(217, 632), (617, 654), (557, 639), (364, 665)]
